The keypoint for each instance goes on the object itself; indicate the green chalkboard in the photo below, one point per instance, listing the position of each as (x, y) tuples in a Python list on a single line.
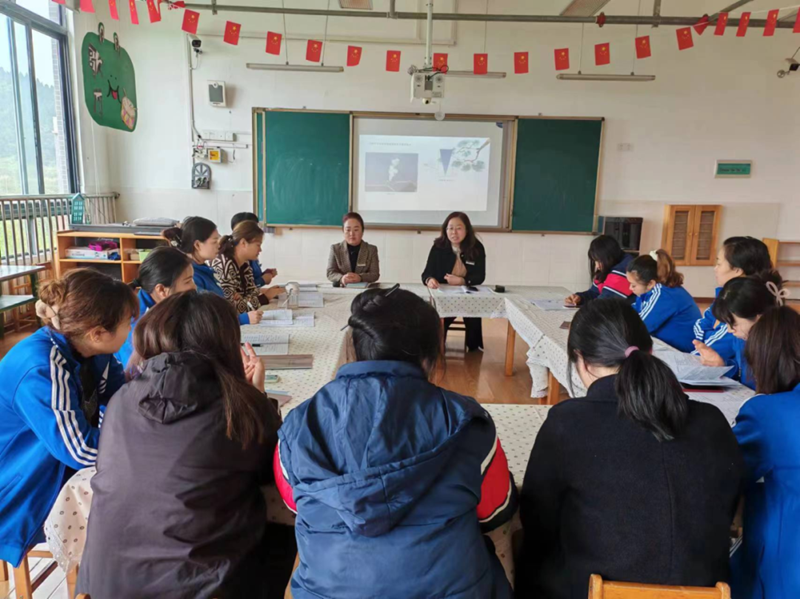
[(555, 181), (302, 167)]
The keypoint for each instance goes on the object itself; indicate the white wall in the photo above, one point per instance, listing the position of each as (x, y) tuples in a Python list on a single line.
[(719, 100)]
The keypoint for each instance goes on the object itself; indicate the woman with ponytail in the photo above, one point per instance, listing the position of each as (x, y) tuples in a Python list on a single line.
[(233, 270), (634, 481), (185, 447), (665, 307), (54, 384), (164, 272), (198, 238), (393, 478), (766, 564)]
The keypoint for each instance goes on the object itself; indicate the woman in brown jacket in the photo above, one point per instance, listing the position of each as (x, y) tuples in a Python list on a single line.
[(353, 260)]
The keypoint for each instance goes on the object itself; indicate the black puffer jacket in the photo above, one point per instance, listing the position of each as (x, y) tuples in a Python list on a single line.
[(177, 511)]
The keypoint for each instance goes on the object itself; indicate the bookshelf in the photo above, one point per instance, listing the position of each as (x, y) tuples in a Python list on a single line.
[(126, 269)]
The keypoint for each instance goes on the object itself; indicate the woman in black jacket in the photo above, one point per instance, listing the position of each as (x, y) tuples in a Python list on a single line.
[(177, 510), (634, 482), (457, 258)]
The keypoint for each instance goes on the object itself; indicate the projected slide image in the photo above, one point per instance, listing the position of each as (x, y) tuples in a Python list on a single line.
[(466, 156), (391, 172)]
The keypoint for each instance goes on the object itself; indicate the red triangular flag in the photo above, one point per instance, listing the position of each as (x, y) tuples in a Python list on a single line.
[(562, 59), (190, 21), (722, 23), (521, 63), (176, 5), (685, 40), (797, 23), (700, 26), (744, 21), (313, 51), (134, 13), (480, 64), (353, 56), (643, 49), (232, 31), (393, 60), (274, 43), (439, 61), (60, 1), (602, 54), (87, 6), (153, 11), (772, 22)]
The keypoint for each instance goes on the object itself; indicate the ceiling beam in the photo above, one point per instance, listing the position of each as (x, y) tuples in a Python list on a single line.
[(789, 18), (728, 9)]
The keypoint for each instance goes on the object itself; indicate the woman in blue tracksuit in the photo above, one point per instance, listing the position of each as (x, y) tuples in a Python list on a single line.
[(393, 478), (53, 385), (164, 272), (608, 263), (198, 238), (738, 257), (766, 564), (740, 305), (663, 304)]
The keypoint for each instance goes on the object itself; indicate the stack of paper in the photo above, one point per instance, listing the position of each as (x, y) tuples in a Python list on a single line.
[(462, 289), (310, 299), (267, 344), (549, 305), (286, 318), (689, 370)]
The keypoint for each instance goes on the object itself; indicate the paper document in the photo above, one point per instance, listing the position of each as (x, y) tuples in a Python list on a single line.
[(276, 318), (689, 370), (550, 305), (462, 289), (304, 320), (307, 299), (267, 343), (361, 285)]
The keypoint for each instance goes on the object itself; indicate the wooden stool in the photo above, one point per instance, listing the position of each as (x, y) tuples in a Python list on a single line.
[(24, 587), (600, 589), (3, 571)]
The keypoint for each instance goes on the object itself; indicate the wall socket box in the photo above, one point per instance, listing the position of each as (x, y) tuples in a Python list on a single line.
[(217, 135)]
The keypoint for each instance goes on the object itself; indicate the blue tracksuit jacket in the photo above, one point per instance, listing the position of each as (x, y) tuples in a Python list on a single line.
[(258, 274), (124, 354), (716, 335), (44, 435), (205, 281), (766, 565), (670, 315)]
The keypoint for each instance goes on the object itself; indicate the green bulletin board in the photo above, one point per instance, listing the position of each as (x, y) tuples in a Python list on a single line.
[(109, 82)]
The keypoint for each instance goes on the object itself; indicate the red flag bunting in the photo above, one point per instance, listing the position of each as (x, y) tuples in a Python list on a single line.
[(134, 12), (701, 25), (722, 24), (313, 51), (112, 8), (744, 21), (153, 11), (60, 1), (176, 5), (87, 6), (232, 31), (274, 43), (685, 40), (521, 63), (602, 54), (393, 60), (190, 21), (439, 62), (562, 59), (772, 22), (480, 64), (353, 56), (797, 23), (643, 49)]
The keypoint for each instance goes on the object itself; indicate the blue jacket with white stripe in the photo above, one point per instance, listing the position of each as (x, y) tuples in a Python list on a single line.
[(205, 281), (125, 352), (716, 335), (44, 435), (670, 315)]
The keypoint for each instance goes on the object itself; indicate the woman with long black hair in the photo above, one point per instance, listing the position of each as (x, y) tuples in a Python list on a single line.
[(608, 265), (634, 481)]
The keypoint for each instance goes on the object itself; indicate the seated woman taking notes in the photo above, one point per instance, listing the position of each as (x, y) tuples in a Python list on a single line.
[(164, 272), (353, 260), (608, 264), (261, 276), (457, 258), (233, 271), (663, 304), (198, 238)]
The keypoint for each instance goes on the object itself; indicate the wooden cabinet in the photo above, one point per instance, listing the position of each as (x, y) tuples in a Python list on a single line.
[(126, 268), (785, 257), (690, 233)]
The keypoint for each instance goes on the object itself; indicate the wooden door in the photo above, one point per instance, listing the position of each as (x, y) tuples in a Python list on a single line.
[(704, 235), (677, 235)]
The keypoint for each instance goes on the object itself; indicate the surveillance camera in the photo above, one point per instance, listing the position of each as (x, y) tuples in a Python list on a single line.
[(197, 43)]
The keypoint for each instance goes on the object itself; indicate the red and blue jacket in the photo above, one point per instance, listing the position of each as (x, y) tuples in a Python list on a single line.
[(615, 286), (670, 315), (394, 480)]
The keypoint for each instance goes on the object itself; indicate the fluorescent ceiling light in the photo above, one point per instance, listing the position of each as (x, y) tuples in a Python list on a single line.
[(356, 4), (583, 8), (593, 77), (489, 75), (256, 66)]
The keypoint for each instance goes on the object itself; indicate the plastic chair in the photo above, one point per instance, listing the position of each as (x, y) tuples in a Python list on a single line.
[(606, 589)]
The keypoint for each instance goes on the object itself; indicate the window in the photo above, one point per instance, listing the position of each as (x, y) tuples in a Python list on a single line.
[(37, 155)]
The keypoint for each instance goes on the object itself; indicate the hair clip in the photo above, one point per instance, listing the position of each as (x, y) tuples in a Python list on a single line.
[(781, 295), (654, 255), (392, 290)]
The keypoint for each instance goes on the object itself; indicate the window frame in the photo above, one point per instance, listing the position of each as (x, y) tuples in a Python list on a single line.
[(59, 33)]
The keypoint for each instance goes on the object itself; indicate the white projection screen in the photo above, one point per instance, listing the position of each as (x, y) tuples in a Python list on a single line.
[(417, 171)]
